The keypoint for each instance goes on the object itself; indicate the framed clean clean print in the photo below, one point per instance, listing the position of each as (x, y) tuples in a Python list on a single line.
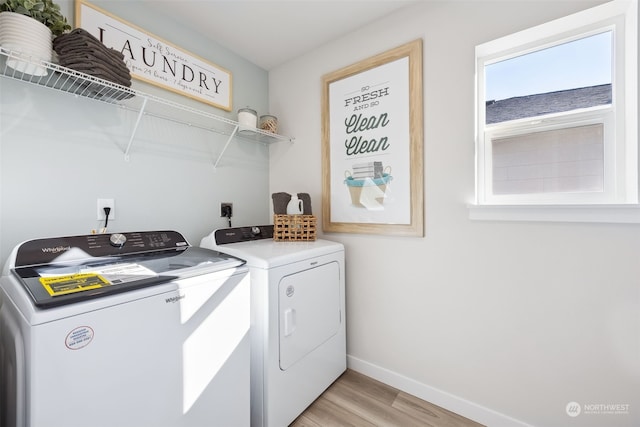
[(372, 145)]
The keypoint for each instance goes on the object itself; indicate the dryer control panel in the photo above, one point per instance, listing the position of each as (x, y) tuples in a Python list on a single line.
[(225, 236)]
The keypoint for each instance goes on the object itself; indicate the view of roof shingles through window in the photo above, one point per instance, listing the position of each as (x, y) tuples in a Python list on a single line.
[(560, 78), (547, 103)]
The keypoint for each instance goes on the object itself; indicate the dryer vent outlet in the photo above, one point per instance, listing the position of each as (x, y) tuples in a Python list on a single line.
[(226, 210)]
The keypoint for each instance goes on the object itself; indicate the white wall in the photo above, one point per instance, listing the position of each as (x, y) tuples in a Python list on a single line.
[(59, 154), (503, 322)]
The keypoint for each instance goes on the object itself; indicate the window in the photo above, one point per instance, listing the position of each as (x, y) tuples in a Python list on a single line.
[(557, 112)]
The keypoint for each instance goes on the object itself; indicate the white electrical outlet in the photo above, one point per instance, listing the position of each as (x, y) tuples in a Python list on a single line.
[(106, 203)]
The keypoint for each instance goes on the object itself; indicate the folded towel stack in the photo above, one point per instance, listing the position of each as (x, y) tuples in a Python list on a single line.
[(81, 51)]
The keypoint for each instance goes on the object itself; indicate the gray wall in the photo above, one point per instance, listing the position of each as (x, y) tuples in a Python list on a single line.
[(500, 321), (59, 153)]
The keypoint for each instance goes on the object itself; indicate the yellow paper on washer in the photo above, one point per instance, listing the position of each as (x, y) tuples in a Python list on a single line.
[(62, 285)]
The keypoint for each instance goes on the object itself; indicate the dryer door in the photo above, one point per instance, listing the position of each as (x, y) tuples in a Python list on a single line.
[(309, 311)]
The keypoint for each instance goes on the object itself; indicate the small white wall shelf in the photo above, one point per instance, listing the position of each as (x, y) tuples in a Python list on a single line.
[(79, 84)]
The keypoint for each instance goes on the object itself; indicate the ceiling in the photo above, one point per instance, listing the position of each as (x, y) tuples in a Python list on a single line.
[(269, 33)]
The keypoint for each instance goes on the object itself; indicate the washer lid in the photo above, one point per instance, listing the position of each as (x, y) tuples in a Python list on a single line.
[(65, 270)]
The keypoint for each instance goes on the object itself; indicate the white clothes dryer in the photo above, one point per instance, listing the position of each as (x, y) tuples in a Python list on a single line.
[(298, 335)]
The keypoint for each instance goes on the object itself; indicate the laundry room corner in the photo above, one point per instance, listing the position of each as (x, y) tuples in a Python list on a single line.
[(61, 153), (474, 310)]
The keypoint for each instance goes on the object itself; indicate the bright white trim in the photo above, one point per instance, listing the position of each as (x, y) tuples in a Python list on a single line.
[(453, 403), (631, 99), (617, 214), (621, 160), (566, 28)]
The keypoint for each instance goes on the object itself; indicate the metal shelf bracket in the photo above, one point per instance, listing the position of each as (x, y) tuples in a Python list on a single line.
[(135, 128), (233, 133), (73, 82)]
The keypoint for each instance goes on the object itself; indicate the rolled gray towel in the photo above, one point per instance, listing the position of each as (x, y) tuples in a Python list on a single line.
[(116, 66), (306, 203), (280, 202), (81, 51), (100, 70), (80, 39)]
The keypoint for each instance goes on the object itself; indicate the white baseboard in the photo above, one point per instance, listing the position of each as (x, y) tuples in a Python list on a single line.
[(438, 397)]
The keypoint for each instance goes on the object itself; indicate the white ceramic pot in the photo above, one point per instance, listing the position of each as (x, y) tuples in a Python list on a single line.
[(295, 206), (29, 41)]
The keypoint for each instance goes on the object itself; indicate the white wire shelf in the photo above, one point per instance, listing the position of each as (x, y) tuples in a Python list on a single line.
[(62, 79)]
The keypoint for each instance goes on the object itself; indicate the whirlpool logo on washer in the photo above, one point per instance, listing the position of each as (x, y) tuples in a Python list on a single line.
[(55, 250), (290, 291), (174, 299)]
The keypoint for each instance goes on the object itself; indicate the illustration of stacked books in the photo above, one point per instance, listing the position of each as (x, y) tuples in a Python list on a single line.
[(367, 170)]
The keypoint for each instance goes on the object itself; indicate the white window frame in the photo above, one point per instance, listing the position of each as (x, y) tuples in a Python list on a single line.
[(620, 119)]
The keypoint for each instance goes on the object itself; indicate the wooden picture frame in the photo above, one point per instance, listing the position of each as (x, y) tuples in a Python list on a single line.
[(372, 145), (156, 61)]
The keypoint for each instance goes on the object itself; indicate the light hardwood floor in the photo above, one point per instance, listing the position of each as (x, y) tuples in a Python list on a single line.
[(359, 401)]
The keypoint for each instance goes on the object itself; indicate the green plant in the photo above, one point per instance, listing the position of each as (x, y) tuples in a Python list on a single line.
[(45, 11)]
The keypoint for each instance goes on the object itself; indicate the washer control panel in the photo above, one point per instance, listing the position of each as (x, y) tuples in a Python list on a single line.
[(45, 251)]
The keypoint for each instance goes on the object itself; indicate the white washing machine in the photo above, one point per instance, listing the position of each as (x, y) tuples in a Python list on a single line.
[(298, 338), (128, 330)]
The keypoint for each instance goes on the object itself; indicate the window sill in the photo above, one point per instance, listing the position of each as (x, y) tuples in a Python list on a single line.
[(622, 214)]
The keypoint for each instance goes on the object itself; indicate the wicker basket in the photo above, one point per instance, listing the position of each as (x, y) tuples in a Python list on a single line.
[(294, 227)]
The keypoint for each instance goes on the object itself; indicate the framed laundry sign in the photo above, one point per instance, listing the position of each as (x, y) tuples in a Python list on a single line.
[(156, 61), (372, 145)]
